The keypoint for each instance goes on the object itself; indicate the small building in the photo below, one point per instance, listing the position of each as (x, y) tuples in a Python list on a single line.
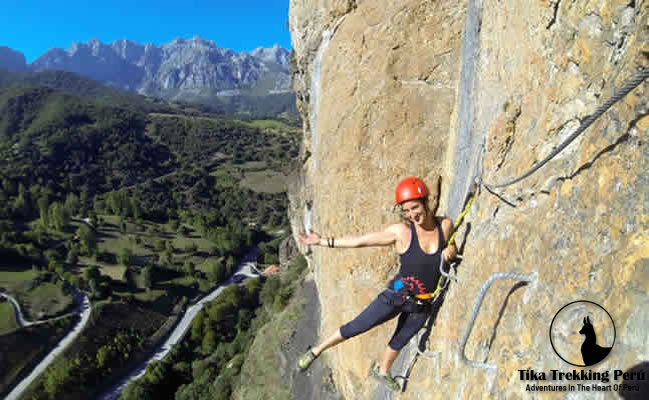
[(272, 269)]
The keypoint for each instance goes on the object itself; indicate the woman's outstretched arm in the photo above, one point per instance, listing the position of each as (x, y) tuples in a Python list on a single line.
[(382, 238)]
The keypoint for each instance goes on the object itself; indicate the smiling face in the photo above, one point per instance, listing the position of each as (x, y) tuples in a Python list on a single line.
[(414, 211)]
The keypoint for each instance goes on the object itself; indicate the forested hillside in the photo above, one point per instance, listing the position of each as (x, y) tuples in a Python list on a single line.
[(74, 84), (278, 105), (146, 207)]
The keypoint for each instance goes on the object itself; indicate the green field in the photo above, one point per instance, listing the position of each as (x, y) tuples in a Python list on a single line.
[(253, 166), (37, 301), (45, 300), (272, 125), (115, 272), (112, 240), (253, 175), (14, 281), (266, 181), (151, 295), (7, 318)]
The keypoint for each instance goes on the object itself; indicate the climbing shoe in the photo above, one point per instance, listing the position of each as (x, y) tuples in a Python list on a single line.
[(385, 380), (305, 361)]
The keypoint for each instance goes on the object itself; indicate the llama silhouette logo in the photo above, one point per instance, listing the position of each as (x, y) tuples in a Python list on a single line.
[(582, 333), (591, 352)]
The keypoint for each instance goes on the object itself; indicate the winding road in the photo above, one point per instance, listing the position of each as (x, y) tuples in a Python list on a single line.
[(22, 322), (84, 308), (19, 315), (247, 268)]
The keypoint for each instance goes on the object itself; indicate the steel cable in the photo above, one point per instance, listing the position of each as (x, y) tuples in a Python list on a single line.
[(619, 95)]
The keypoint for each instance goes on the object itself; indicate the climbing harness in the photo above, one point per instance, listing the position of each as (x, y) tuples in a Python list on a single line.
[(407, 303), (619, 95)]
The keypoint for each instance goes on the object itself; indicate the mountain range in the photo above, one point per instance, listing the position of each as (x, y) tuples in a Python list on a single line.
[(192, 70)]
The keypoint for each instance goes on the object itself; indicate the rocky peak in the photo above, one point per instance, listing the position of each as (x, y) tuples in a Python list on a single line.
[(275, 54), (182, 64), (128, 50), (12, 60)]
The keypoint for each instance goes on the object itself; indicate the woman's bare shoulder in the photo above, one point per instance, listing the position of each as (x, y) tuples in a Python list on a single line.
[(446, 221), (398, 229)]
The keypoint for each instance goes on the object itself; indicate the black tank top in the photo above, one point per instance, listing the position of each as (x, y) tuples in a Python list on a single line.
[(419, 272)]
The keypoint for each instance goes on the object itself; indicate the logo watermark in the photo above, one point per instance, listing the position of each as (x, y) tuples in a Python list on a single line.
[(583, 334)]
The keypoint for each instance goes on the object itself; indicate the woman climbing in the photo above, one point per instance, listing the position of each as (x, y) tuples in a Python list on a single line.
[(420, 241)]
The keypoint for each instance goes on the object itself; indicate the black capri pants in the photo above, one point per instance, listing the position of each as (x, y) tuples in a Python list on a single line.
[(387, 305)]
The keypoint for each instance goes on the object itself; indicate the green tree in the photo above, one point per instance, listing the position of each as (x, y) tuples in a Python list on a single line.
[(229, 265), (99, 205), (83, 203), (197, 325), (104, 355), (22, 203), (209, 342), (71, 204), (159, 245), (87, 239), (125, 256), (43, 206), (57, 377), (52, 255), (268, 291), (216, 271), (91, 272), (190, 268), (94, 220), (75, 280), (166, 258), (135, 208), (147, 276), (94, 287), (73, 256), (54, 266), (59, 218), (137, 390), (129, 278)]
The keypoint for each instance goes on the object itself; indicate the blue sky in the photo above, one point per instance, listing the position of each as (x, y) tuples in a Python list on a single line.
[(35, 26)]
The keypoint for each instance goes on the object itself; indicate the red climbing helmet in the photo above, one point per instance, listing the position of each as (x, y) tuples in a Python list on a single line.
[(410, 188)]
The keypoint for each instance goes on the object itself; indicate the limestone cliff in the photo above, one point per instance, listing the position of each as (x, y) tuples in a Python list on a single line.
[(480, 88)]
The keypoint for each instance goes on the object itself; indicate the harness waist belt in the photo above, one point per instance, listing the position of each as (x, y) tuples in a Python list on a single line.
[(428, 296)]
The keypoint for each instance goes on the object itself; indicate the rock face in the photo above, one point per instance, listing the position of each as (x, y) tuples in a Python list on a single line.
[(477, 89), (174, 69), (11, 60)]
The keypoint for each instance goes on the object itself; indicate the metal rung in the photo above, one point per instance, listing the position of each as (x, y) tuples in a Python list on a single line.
[(476, 309)]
